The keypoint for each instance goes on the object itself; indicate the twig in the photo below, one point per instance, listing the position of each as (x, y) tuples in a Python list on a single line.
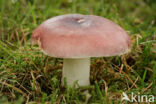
[(15, 88), (147, 87), (125, 75), (134, 83)]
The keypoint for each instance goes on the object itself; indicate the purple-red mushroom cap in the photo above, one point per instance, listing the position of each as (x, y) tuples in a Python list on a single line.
[(81, 36)]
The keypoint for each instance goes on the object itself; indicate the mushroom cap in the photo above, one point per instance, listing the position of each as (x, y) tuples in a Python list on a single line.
[(81, 36)]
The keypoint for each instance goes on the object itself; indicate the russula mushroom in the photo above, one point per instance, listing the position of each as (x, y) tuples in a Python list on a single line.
[(76, 38)]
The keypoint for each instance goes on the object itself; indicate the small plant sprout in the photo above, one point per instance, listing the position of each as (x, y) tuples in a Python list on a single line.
[(76, 38)]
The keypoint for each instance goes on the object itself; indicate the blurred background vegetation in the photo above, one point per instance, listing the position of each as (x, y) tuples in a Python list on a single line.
[(28, 76)]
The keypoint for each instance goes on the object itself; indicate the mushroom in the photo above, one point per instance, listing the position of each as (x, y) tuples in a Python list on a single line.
[(76, 38)]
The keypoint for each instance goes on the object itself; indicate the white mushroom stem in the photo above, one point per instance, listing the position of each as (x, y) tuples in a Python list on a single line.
[(76, 70)]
